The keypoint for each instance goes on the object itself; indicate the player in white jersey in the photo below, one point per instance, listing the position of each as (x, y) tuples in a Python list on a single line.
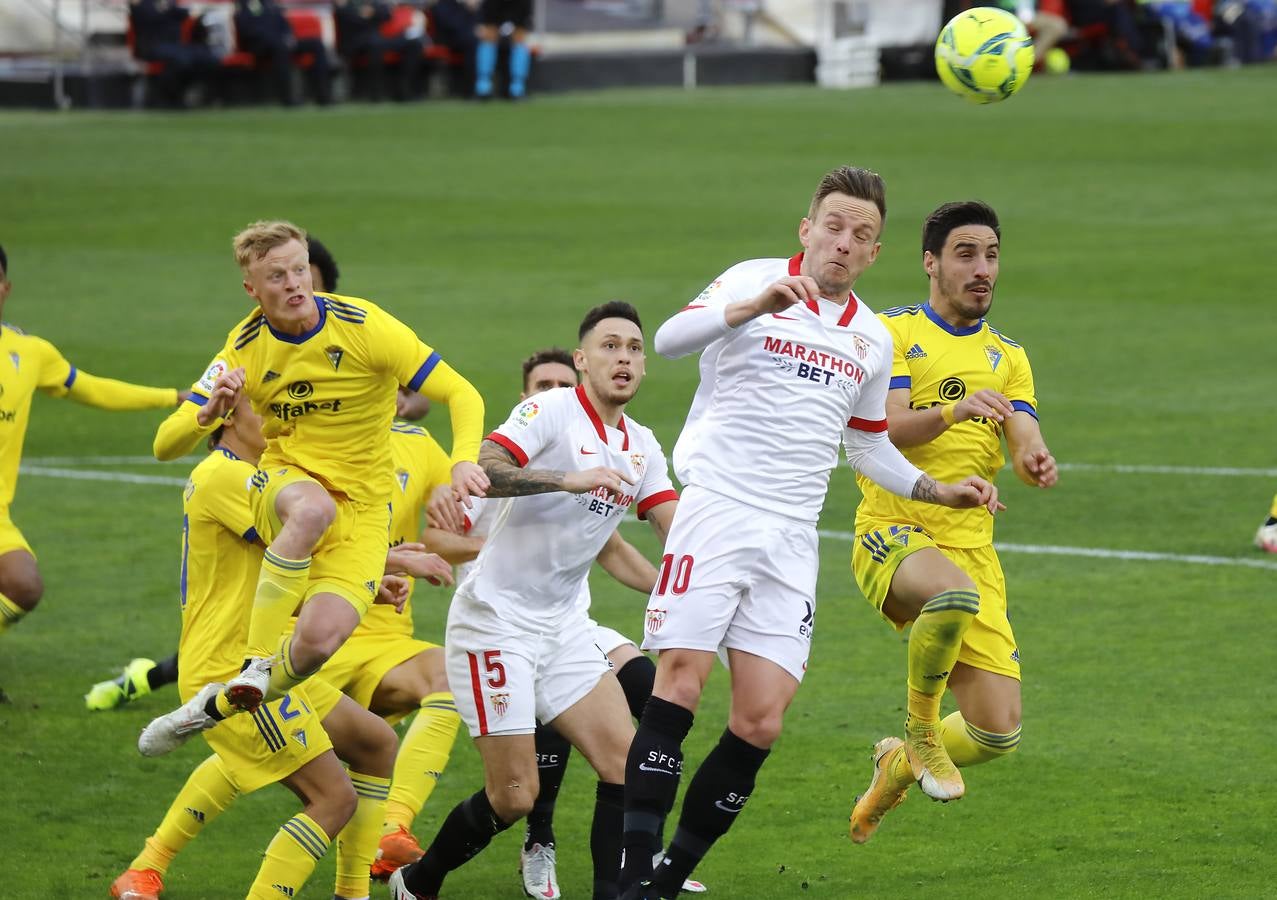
[(461, 542), (518, 647), (793, 363)]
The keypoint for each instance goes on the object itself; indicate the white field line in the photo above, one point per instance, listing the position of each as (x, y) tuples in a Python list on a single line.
[(109, 461), (92, 475), (1220, 471), (1103, 553), (1030, 549)]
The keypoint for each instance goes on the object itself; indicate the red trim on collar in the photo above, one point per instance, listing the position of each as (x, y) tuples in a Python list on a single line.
[(597, 422), (849, 309)]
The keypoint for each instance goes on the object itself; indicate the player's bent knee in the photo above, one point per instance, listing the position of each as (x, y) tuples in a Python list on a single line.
[(761, 731), (312, 517), (25, 588), (513, 804)]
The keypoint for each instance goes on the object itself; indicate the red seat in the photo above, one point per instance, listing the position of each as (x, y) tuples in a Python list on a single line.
[(305, 23)]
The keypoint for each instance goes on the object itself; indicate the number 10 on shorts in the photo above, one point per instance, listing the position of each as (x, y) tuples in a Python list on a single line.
[(681, 571)]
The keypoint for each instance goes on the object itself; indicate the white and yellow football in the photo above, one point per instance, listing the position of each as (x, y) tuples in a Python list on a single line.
[(984, 54)]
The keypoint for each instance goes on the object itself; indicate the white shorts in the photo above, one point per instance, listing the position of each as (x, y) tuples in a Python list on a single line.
[(506, 678), (608, 639), (735, 576)]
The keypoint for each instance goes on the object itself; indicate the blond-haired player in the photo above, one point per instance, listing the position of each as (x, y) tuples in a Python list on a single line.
[(322, 370), (958, 387), (290, 740), (381, 667), (28, 364)]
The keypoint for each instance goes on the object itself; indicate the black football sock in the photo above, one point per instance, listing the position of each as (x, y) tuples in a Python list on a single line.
[(637, 677), (652, 770), (162, 673), (714, 799), (469, 828), (552, 763), (605, 839)]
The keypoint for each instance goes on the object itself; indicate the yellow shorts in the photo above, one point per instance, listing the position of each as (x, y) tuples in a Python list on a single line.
[(10, 537), (363, 661), (351, 556), (272, 743), (989, 643)]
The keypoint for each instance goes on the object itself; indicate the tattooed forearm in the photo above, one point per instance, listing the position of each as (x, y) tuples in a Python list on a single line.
[(508, 480), (924, 489)]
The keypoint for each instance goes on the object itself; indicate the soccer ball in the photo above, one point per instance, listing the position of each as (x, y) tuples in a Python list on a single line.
[(984, 54)]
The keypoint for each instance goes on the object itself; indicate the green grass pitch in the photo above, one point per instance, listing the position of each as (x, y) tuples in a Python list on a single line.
[(1138, 244)]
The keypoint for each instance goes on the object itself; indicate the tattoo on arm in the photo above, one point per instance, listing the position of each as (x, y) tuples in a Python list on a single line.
[(925, 489), (509, 480)]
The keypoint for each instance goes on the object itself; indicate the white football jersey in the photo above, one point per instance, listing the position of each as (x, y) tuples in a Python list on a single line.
[(777, 393), (538, 549), (479, 522)]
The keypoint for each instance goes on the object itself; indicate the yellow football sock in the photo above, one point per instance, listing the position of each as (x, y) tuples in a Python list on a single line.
[(1272, 512), (357, 842), (290, 858), (423, 754), (280, 588), (970, 746), (205, 796), (934, 642), (283, 677), (10, 613)]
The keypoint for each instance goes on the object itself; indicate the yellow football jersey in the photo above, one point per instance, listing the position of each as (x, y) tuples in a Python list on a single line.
[(26, 363), (420, 466), (220, 564), (938, 364), (327, 397)]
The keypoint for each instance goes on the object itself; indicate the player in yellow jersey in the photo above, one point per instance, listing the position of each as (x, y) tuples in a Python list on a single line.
[(27, 364), (322, 371), (290, 740), (958, 387)]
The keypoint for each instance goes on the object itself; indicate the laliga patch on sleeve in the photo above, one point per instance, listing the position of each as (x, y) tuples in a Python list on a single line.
[(210, 377), (709, 291), (526, 413)]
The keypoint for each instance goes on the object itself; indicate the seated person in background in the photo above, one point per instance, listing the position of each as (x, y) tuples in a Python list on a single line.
[(157, 33), (359, 36), (1193, 40), (454, 24), (263, 31), (1118, 16)]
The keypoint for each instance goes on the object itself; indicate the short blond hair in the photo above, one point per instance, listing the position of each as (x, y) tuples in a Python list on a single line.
[(261, 238)]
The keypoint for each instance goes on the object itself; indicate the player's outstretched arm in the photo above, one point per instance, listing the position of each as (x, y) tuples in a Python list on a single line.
[(913, 427), (107, 393), (416, 560), (968, 493), (508, 479), (696, 327), (465, 409), (621, 559), (1030, 458), (875, 457), (181, 431)]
